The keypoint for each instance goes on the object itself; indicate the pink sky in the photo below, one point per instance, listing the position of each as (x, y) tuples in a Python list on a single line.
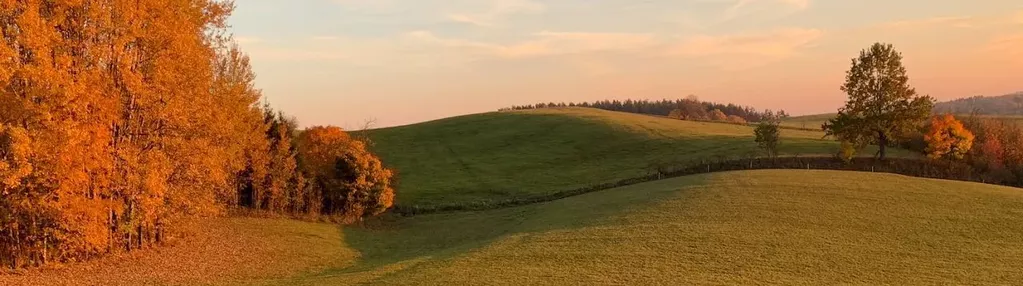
[(342, 62)]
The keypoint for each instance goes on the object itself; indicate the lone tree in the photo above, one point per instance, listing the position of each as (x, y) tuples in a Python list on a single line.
[(881, 106), (767, 136)]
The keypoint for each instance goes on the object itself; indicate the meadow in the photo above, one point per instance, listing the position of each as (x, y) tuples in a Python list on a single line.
[(768, 226), (815, 121), (510, 155)]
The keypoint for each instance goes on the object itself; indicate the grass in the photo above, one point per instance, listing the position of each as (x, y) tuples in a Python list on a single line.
[(752, 227), (510, 155), (749, 227), (808, 121), (815, 121), (223, 251)]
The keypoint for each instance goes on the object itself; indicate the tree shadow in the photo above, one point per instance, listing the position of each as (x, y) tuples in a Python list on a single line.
[(394, 240)]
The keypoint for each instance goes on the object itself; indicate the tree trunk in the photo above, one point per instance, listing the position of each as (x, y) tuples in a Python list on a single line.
[(882, 144)]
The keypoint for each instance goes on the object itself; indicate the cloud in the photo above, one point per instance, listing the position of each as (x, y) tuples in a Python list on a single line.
[(368, 6), (247, 40), (742, 51), (325, 38), (731, 52), (738, 6), (547, 43), (1010, 47), (498, 11), (948, 21)]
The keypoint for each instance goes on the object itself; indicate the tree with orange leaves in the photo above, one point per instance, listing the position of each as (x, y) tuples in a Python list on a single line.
[(352, 181), (946, 136)]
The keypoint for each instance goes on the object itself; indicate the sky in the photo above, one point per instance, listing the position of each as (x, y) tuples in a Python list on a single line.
[(396, 62)]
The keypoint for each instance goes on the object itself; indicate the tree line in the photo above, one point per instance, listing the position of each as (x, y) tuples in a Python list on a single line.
[(123, 119), (689, 108)]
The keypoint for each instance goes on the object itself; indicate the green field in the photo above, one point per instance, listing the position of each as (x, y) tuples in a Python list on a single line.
[(750, 227), (807, 121), (778, 226), (508, 155), (815, 121), (746, 227)]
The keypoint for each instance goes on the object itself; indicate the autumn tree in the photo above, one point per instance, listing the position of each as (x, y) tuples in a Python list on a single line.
[(676, 114), (692, 109), (717, 115), (736, 119), (946, 136), (881, 105), (353, 183), (125, 127)]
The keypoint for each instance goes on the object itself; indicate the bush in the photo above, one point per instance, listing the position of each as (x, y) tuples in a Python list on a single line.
[(736, 119), (767, 137), (352, 181)]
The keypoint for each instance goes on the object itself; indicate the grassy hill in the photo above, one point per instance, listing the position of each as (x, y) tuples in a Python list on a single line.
[(808, 121), (507, 155), (749, 227)]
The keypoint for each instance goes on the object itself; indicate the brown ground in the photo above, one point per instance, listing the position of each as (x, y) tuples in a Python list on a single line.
[(227, 251)]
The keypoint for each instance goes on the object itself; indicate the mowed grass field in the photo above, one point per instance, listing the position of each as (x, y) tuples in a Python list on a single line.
[(508, 155), (749, 227), (815, 121)]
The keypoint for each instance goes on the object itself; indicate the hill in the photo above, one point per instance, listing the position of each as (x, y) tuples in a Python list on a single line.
[(808, 121), (723, 228), (507, 155), (1009, 104)]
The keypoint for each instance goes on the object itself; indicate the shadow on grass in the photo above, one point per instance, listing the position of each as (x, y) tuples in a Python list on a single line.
[(393, 240)]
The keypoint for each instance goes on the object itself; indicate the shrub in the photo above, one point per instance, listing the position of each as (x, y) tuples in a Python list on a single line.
[(736, 119), (847, 151), (352, 181), (717, 115), (767, 137), (946, 136)]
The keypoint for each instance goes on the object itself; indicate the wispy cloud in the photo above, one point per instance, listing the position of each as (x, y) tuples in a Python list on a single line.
[(737, 51), (498, 11), (947, 21), (547, 43), (738, 6), (1010, 46), (742, 51), (247, 40), (325, 38), (368, 6)]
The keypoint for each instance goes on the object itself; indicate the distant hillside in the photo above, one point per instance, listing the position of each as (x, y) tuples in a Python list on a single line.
[(508, 155), (1009, 104)]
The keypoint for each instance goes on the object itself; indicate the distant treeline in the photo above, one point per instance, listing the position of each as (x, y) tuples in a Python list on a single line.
[(1010, 104), (691, 107)]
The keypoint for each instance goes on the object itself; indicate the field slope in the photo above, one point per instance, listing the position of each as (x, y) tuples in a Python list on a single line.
[(750, 227), (773, 227), (508, 155)]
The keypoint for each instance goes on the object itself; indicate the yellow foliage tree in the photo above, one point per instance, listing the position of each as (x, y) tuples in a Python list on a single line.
[(946, 136), (352, 181)]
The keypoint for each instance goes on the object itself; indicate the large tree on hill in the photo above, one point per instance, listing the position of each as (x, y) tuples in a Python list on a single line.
[(881, 106)]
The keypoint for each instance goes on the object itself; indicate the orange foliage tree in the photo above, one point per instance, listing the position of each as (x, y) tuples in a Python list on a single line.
[(116, 128), (946, 136), (352, 182)]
